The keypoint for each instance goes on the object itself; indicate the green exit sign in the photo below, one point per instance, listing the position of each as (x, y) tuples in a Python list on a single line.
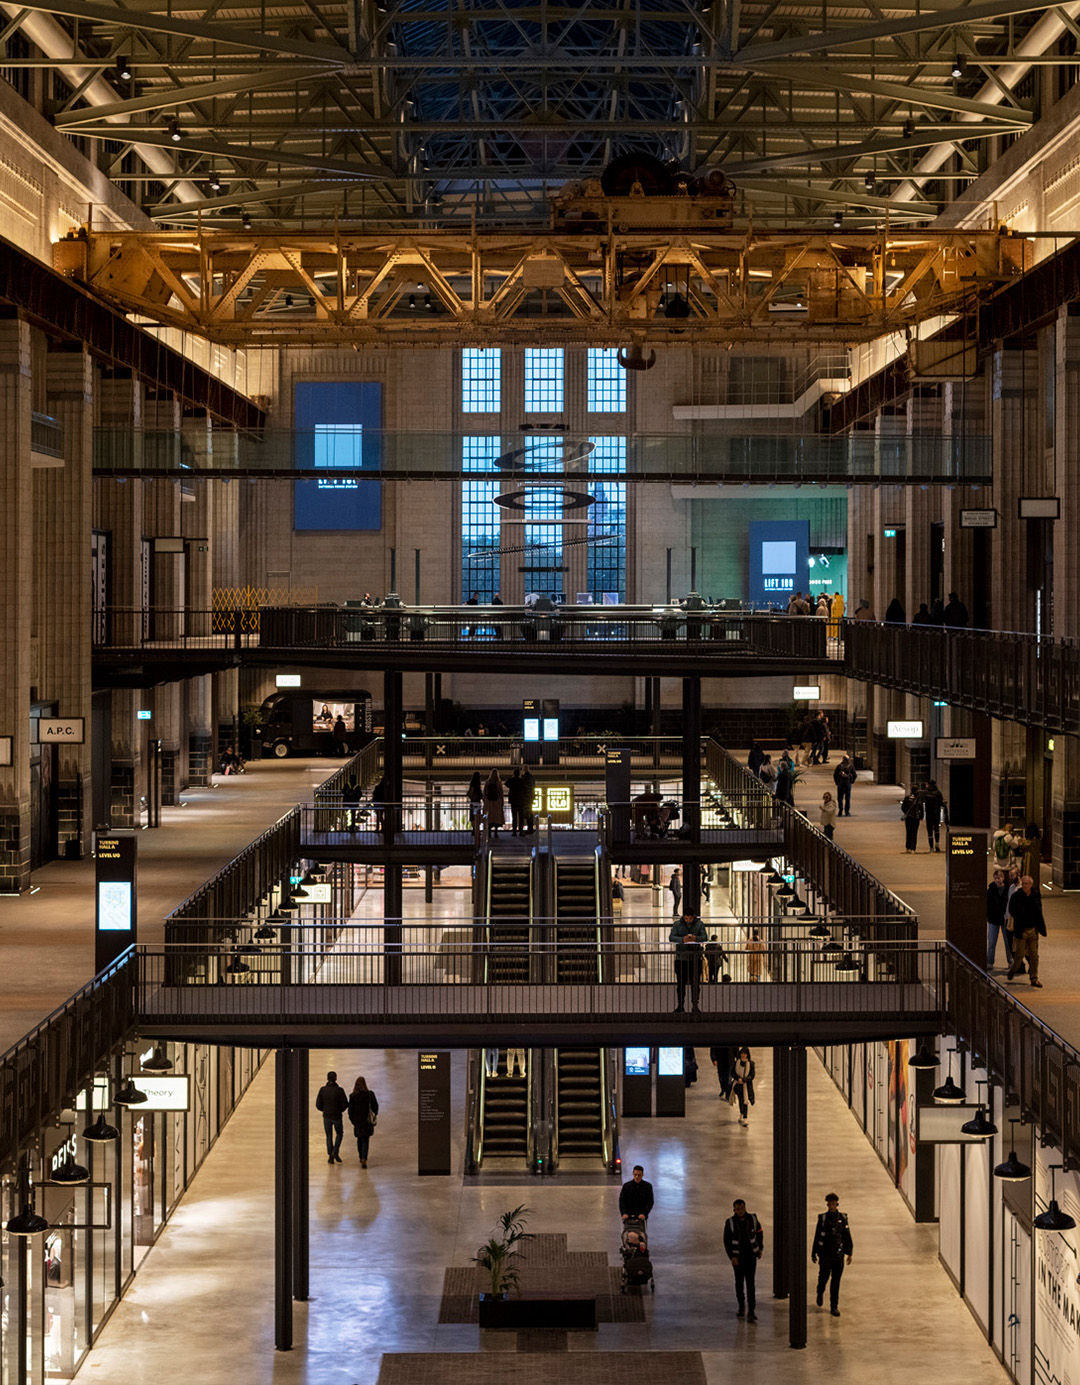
[(890, 533)]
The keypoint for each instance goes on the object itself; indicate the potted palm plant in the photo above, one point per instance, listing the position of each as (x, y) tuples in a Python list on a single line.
[(499, 1258)]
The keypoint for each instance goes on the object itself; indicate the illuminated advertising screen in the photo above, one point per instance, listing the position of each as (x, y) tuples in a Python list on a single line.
[(337, 427), (324, 715), (114, 906), (778, 561), (532, 728), (670, 1062), (636, 1062)]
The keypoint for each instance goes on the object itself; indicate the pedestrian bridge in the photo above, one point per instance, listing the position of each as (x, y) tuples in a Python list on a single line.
[(464, 991)]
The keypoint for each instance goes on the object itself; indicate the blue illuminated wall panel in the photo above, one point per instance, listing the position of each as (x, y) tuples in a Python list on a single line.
[(338, 425), (778, 561)]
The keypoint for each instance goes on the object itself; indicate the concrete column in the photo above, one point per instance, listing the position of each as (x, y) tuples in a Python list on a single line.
[(1017, 440), (16, 591), (284, 1194), (789, 1194), (63, 517)]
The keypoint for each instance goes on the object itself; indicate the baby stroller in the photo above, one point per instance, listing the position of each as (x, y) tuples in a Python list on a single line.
[(634, 1248)]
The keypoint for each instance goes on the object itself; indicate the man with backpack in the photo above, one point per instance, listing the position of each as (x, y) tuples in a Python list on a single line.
[(844, 775), (832, 1244)]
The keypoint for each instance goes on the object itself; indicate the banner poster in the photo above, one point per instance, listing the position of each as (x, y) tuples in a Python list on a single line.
[(1057, 1294)]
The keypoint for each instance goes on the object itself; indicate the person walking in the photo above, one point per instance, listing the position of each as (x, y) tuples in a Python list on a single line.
[(827, 814), (935, 809), (832, 1245), (515, 797), (911, 810), (363, 1108), (755, 956), (636, 1196), (722, 1057), (997, 908), (894, 612), (1028, 926), (785, 783), (494, 804), (844, 775), (742, 1084), (675, 886), (816, 731), (333, 1102), (688, 935), (755, 758), (955, 613), (527, 791), (767, 774), (836, 615), (715, 957), (744, 1241)]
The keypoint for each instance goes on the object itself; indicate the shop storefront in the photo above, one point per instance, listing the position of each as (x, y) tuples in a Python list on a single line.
[(60, 1285)]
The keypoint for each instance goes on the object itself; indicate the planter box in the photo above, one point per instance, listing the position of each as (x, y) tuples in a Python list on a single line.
[(569, 1312)]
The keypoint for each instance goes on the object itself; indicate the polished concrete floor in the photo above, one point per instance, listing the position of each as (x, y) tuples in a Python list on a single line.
[(382, 1237)]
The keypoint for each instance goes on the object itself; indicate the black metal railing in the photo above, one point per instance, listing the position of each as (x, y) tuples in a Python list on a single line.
[(361, 770), (45, 1070), (235, 889), (1037, 1069), (602, 631), (1019, 677), (411, 982), (586, 751), (703, 455), (46, 435), (837, 878)]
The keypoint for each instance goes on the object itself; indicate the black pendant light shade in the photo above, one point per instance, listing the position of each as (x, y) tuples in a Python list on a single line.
[(979, 1127), (27, 1223), (265, 933), (1053, 1219), (819, 931), (949, 1094), (70, 1172), (101, 1132), (158, 1061), (1012, 1170), (847, 963), (923, 1059), (129, 1094)]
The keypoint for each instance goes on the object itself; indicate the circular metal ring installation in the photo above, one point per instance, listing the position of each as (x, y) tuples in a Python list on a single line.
[(568, 452), (571, 500)]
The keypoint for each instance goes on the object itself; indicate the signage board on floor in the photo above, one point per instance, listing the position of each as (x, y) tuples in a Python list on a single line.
[(115, 923), (433, 1114)]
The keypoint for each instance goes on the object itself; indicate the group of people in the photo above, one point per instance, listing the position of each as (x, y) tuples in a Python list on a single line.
[(811, 738), (488, 799), (826, 607), (951, 615), (779, 778), (924, 805), (362, 1106), (744, 1242), (1014, 912)]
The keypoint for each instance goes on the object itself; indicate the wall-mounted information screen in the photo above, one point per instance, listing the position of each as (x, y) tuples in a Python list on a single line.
[(778, 561), (338, 431)]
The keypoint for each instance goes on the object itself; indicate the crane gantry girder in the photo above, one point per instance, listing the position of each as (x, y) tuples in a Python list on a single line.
[(443, 288)]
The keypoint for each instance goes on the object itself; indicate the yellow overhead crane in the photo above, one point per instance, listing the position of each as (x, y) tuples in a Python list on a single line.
[(632, 287)]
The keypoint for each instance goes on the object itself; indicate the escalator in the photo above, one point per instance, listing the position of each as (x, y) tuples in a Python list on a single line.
[(509, 917), (576, 920), (506, 1123), (579, 1102)]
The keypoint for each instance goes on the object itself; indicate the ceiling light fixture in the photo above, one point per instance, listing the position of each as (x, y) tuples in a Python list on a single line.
[(158, 1060), (1053, 1219), (980, 1126), (123, 68), (923, 1059), (215, 183), (1012, 1170), (175, 132), (959, 63), (129, 1094), (101, 1132), (70, 1172)]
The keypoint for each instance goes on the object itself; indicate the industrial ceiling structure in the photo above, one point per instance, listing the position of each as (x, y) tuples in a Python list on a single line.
[(408, 115)]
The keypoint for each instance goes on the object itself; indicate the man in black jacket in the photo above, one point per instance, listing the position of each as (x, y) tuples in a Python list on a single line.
[(997, 903), (744, 1241), (333, 1102), (832, 1242), (843, 777), (1028, 926), (636, 1197), (934, 810)]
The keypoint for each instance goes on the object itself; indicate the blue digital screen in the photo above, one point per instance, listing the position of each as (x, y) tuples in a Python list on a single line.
[(338, 430), (636, 1062), (778, 558), (532, 728), (551, 728)]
